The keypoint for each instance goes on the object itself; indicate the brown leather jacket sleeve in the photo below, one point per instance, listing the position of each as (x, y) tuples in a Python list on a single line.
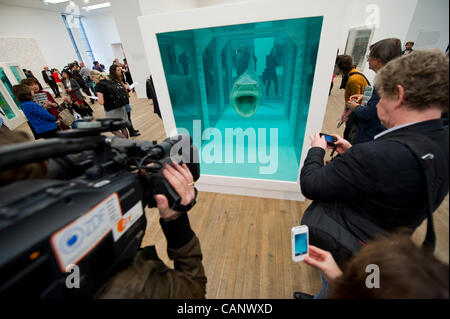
[(149, 277)]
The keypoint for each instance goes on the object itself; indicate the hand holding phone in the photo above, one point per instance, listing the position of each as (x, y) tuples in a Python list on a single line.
[(300, 242), (329, 139), (323, 261), (357, 98)]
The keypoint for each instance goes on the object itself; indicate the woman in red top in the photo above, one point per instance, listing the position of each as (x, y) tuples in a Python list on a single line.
[(57, 77)]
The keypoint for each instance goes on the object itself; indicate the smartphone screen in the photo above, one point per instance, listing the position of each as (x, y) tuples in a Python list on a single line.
[(301, 244), (329, 138)]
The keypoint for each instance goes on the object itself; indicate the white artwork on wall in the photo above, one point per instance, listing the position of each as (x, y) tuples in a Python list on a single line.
[(11, 113), (357, 46)]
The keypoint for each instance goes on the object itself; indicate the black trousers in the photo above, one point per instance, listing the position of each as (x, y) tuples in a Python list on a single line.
[(54, 88), (348, 126), (130, 129), (84, 110)]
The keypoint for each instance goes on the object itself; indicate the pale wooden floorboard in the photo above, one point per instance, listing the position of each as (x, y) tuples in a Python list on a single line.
[(246, 240)]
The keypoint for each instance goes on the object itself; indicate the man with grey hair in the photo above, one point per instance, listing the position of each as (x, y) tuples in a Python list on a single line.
[(85, 75), (48, 78), (395, 181)]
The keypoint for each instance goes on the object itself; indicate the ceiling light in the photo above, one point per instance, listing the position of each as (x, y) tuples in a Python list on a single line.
[(54, 1), (97, 6)]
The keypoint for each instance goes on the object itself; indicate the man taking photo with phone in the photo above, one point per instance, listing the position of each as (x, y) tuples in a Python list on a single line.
[(398, 179)]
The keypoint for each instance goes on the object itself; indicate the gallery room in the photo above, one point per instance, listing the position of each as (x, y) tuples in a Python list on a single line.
[(224, 149)]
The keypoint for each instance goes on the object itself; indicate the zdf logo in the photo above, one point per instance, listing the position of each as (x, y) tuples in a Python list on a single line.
[(122, 223)]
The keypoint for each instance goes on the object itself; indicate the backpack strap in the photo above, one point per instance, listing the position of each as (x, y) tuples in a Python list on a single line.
[(350, 74), (347, 77), (431, 159)]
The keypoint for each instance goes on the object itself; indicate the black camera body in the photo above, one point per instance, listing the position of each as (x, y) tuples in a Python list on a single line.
[(63, 238), (30, 260)]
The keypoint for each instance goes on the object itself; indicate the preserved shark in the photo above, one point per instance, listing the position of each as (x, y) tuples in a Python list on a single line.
[(246, 94)]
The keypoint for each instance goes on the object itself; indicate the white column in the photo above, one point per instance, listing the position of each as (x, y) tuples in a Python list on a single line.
[(126, 17)]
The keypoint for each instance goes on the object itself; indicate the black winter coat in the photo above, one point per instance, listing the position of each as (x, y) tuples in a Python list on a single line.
[(381, 179)]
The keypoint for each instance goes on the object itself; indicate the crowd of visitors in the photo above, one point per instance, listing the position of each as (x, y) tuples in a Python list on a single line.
[(75, 85)]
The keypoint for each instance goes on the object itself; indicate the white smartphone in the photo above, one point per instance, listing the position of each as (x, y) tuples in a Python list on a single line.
[(300, 242)]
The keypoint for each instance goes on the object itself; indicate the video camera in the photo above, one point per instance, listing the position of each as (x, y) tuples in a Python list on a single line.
[(89, 213)]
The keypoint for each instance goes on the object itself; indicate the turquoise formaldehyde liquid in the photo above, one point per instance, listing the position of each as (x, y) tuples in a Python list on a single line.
[(253, 80)]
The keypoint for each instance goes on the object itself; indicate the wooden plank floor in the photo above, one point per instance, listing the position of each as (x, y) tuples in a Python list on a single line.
[(246, 240)]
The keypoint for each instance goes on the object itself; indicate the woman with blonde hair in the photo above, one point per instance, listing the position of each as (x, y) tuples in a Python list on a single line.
[(113, 97)]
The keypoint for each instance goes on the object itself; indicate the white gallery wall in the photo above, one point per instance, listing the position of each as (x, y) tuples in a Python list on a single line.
[(46, 27), (429, 25), (392, 19), (157, 6), (125, 15), (24, 51), (423, 21), (102, 32)]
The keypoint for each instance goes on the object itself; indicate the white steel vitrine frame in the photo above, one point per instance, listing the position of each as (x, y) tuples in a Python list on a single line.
[(250, 12)]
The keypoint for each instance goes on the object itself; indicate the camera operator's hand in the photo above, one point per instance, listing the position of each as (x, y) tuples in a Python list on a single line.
[(323, 261), (182, 181), (318, 141), (342, 145)]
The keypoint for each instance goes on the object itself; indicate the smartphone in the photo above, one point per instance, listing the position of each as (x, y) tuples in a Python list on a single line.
[(300, 242), (329, 139)]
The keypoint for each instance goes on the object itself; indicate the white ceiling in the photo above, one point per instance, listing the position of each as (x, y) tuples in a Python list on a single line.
[(60, 7)]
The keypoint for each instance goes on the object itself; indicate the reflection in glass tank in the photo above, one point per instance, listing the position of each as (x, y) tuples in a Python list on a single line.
[(255, 77)]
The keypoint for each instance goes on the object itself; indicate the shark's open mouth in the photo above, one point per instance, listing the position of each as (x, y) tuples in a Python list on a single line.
[(245, 99), (246, 94)]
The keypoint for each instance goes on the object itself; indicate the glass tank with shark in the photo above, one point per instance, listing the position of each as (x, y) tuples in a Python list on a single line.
[(255, 76)]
